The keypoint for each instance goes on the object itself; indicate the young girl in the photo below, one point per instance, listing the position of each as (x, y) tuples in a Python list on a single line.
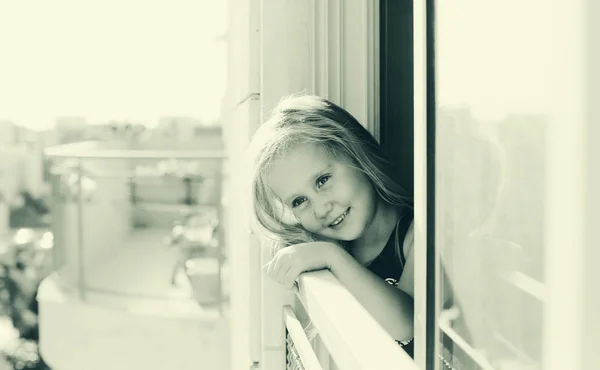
[(322, 186)]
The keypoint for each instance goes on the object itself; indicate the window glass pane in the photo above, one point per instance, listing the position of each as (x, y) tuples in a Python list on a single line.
[(492, 96)]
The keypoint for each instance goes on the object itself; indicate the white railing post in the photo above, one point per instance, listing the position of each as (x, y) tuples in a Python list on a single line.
[(273, 298)]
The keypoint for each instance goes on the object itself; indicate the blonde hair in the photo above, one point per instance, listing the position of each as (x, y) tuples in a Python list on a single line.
[(309, 119)]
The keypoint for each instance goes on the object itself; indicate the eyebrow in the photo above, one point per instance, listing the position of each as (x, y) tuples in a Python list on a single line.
[(312, 179)]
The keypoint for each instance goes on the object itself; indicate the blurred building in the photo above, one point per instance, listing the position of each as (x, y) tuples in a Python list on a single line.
[(183, 133), (7, 132), (21, 161), (70, 129)]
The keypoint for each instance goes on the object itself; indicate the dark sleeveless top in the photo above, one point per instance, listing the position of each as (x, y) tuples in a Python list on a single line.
[(389, 264)]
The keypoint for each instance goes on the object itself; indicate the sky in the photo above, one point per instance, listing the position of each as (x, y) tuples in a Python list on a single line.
[(111, 59), (495, 60)]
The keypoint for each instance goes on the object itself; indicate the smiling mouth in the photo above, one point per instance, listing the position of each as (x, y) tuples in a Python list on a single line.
[(340, 219)]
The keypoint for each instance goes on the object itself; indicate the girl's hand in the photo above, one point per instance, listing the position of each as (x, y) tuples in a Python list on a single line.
[(290, 262)]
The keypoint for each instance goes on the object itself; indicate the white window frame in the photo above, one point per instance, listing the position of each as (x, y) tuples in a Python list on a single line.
[(345, 57), (420, 180)]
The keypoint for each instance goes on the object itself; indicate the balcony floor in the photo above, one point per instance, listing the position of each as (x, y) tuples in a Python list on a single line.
[(139, 275)]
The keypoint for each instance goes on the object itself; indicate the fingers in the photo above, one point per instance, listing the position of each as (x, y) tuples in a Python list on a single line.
[(279, 267), (290, 278), (280, 270), (273, 269), (280, 273), (266, 267)]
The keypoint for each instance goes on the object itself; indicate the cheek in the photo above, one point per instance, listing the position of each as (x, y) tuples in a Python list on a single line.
[(304, 218), (363, 188), (368, 197), (308, 221)]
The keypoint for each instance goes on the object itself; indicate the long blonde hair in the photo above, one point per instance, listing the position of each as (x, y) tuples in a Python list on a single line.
[(309, 119)]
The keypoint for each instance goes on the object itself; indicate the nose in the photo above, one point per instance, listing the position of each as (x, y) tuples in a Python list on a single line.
[(322, 208)]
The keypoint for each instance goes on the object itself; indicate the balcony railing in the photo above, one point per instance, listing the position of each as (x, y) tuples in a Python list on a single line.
[(344, 335), (134, 223), (349, 334)]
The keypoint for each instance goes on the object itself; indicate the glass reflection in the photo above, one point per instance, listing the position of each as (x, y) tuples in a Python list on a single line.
[(490, 170)]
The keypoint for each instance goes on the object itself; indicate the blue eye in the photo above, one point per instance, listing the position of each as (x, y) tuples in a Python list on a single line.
[(298, 201), (322, 180)]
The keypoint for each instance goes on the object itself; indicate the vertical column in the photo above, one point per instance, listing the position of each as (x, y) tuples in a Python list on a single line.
[(566, 195), (573, 299), (243, 249), (321, 48), (592, 184), (80, 233), (420, 173), (241, 117), (287, 46), (347, 52)]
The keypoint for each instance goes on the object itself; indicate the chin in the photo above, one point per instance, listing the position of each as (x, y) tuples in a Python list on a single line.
[(342, 235), (348, 237)]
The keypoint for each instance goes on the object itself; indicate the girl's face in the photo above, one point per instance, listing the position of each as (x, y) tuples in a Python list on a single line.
[(328, 197)]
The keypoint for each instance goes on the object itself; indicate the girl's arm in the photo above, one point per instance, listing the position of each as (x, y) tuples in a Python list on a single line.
[(390, 306), (407, 280)]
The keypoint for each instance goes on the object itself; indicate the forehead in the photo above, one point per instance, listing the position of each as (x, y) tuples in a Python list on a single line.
[(295, 170)]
